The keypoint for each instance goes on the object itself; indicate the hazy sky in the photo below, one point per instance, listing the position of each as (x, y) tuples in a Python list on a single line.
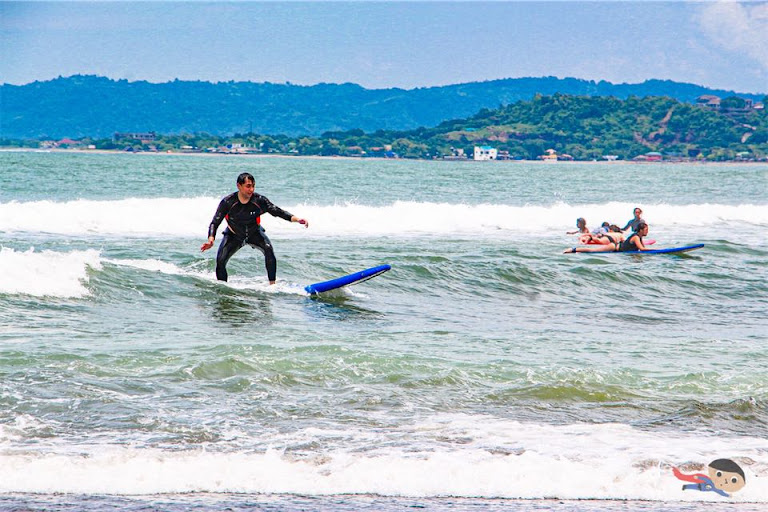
[(388, 44)]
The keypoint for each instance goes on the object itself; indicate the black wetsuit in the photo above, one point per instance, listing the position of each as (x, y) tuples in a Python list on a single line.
[(627, 246), (244, 227)]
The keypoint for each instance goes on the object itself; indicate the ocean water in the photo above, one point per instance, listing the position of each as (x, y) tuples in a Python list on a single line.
[(486, 371)]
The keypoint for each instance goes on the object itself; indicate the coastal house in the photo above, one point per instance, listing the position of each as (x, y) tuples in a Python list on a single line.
[(67, 143), (485, 153), (355, 151), (236, 148), (549, 155), (708, 101), (143, 137), (728, 105), (456, 154), (651, 156)]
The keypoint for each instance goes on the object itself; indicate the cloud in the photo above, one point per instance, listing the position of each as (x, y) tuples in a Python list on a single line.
[(739, 27)]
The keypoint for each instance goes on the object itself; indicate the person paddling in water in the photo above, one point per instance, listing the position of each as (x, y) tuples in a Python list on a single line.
[(243, 210), (633, 242), (581, 227)]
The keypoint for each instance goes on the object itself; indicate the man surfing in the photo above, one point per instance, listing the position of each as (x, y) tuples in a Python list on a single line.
[(243, 210)]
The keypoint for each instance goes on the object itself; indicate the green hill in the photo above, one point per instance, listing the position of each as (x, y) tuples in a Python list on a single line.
[(91, 106), (583, 127), (592, 127), (577, 127)]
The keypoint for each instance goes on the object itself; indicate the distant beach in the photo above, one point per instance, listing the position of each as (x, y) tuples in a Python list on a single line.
[(340, 157)]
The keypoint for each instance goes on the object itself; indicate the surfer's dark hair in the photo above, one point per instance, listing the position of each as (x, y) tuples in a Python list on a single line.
[(613, 228), (245, 176), (640, 226), (729, 466)]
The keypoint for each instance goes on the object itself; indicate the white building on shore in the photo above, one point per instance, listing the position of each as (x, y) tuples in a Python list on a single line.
[(485, 153)]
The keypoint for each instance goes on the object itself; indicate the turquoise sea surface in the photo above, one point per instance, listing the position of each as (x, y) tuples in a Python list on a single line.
[(486, 371)]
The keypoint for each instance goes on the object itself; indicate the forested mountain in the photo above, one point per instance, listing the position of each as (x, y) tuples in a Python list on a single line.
[(91, 106), (574, 127), (592, 127)]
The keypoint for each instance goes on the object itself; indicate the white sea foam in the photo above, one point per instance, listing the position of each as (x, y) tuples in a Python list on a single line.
[(65, 274), (500, 458), (119, 217), (151, 265), (46, 273), (189, 217), (236, 282)]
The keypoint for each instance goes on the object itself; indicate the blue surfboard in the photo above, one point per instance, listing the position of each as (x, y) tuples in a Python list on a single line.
[(354, 278), (670, 250)]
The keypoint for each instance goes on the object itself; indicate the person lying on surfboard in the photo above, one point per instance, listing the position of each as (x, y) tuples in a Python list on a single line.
[(243, 210), (612, 235), (633, 242)]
